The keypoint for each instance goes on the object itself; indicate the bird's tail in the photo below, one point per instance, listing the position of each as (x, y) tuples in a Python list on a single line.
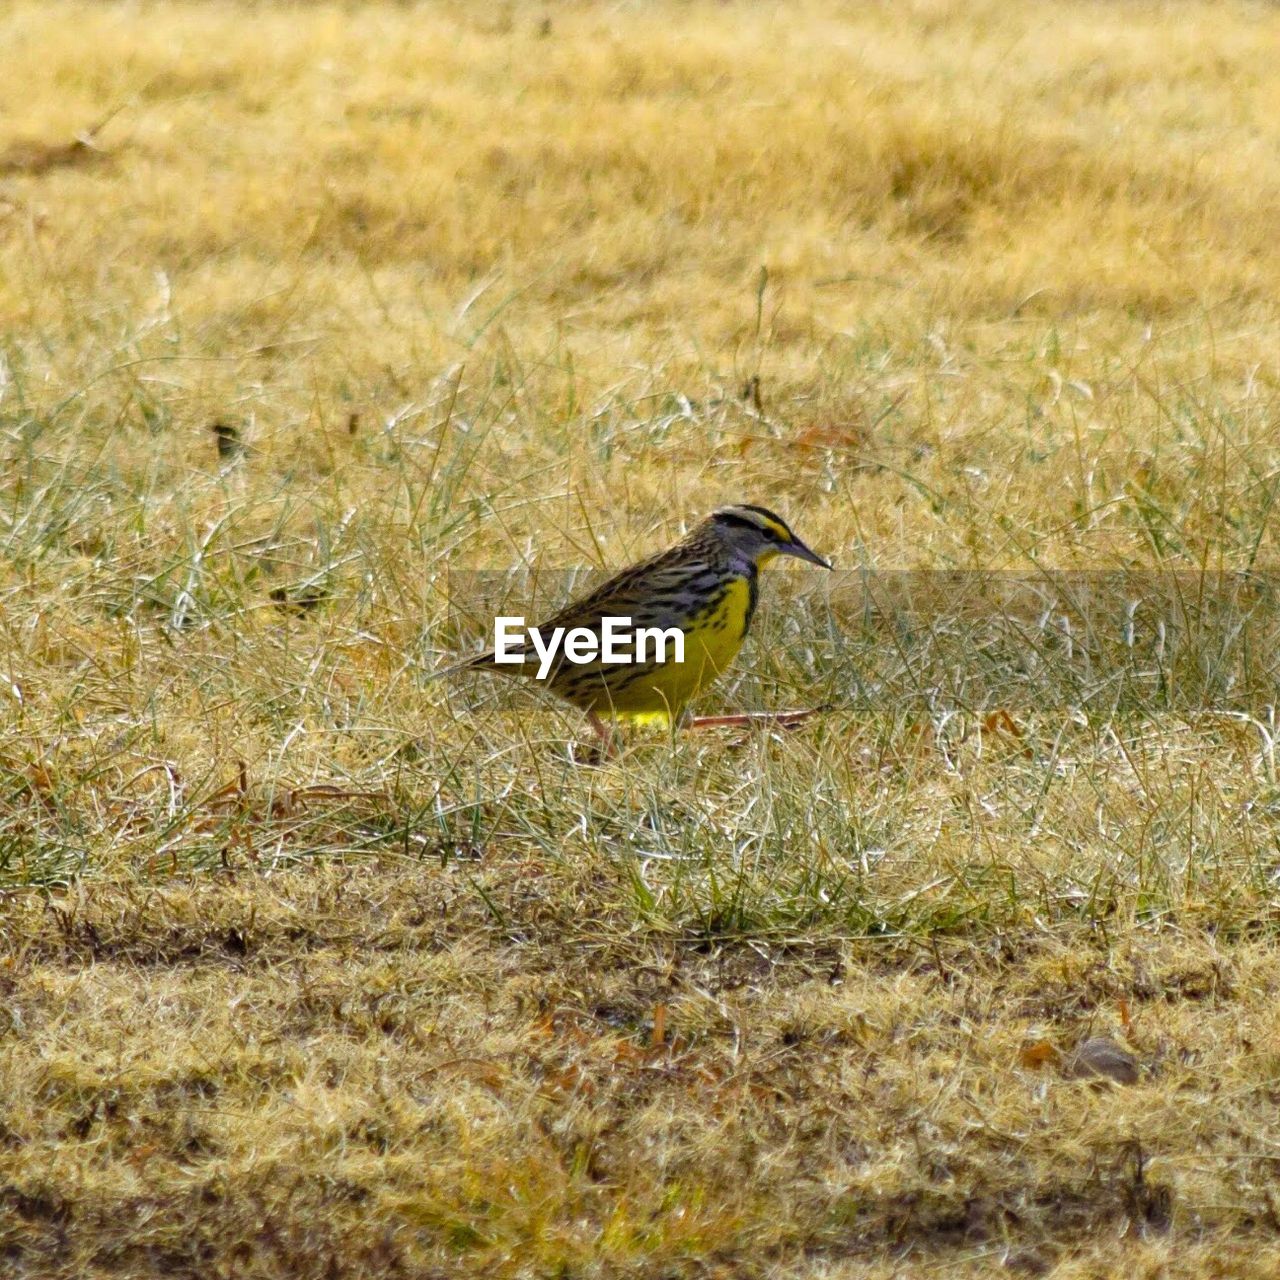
[(482, 662)]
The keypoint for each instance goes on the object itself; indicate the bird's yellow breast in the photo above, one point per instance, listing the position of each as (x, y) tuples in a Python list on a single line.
[(660, 692), (714, 637)]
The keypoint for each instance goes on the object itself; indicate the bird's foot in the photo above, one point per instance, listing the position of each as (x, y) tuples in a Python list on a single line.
[(605, 746), (762, 719)]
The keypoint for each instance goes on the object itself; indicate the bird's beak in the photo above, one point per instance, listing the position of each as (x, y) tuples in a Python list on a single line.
[(797, 548)]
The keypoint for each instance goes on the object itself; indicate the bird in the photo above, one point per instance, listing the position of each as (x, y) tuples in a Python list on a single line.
[(705, 587)]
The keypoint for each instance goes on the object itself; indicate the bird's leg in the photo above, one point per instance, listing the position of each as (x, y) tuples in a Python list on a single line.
[(766, 719), (607, 734)]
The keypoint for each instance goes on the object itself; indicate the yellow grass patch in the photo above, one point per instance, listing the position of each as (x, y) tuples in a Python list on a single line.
[(315, 967)]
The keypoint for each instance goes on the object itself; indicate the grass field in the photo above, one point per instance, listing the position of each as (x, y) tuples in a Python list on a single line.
[(314, 967)]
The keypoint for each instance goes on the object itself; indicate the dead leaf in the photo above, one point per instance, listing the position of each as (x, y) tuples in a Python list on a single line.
[(659, 1035), (831, 435), (1037, 1053), (1001, 722), (1126, 1018)]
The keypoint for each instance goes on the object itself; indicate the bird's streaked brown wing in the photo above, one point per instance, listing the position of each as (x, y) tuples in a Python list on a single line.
[(654, 593)]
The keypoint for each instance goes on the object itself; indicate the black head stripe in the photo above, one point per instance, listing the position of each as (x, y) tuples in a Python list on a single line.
[(733, 516), (734, 520)]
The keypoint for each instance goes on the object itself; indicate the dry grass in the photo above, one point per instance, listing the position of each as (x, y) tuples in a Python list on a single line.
[(360, 1071), (314, 967)]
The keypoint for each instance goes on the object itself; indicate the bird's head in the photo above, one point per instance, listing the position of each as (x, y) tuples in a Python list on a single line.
[(758, 535)]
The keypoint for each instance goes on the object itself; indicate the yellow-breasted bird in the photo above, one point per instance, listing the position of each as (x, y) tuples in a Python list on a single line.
[(705, 586)]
